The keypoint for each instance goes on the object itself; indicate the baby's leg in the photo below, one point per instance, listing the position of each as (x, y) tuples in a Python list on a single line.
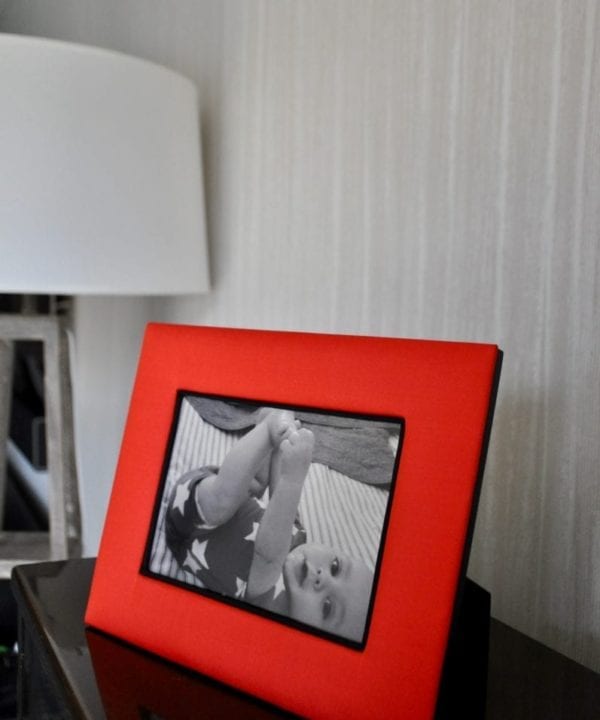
[(220, 496), (274, 534), (296, 453), (268, 473)]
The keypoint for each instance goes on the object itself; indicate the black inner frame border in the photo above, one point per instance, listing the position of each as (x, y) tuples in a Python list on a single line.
[(145, 571)]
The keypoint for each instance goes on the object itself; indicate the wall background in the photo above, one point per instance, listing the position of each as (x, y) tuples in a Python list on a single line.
[(407, 168)]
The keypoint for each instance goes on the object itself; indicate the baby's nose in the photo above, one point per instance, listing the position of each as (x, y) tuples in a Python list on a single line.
[(319, 578)]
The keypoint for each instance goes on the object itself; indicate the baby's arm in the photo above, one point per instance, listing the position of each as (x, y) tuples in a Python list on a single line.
[(219, 496), (273, 538)]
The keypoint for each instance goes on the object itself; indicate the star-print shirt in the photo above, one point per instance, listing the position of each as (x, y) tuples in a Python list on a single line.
[(219, 556)]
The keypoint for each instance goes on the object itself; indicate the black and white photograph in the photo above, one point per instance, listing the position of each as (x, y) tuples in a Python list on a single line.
[(280, 510)]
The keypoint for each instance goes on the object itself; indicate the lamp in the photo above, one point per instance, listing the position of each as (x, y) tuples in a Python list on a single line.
[(100, 193)]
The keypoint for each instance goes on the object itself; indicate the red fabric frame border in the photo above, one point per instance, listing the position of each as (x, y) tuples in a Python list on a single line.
[(443, 390)]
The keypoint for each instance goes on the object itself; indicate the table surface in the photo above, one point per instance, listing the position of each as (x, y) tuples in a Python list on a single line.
[(525, 679)]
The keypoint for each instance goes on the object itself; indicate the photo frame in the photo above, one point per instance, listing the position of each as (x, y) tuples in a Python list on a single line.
[(439, 397), (338, 528)]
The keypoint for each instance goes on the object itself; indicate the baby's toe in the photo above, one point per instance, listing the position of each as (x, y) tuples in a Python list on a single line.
[(306, 437)]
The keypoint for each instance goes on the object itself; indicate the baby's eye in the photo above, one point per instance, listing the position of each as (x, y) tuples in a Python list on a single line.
[(327, 608), (335, 566)]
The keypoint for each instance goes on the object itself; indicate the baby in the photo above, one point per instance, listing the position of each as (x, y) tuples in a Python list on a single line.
[(220, 530)]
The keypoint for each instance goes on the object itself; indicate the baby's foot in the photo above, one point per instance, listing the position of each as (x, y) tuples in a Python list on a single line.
[(296, 454), (280, 424)]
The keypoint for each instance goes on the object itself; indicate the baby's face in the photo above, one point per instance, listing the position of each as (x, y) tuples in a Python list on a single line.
[(328, 589)]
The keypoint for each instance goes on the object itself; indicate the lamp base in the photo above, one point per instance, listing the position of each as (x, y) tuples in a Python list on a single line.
[(18, 548), (63, 539)]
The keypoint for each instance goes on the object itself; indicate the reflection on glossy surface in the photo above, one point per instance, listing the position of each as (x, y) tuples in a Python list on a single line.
[(52, 598), (102, 677), (134, 684)]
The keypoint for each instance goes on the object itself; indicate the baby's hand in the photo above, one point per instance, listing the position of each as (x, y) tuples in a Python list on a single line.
[(296, 454), (280, 424)]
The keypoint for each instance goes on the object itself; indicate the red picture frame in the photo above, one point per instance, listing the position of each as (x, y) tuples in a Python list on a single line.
[(444, 392)]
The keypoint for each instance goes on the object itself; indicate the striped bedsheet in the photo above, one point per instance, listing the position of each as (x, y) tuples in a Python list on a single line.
[(334, 509)]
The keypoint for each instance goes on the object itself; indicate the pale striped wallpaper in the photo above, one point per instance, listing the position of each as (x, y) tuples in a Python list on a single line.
[(407, 168)]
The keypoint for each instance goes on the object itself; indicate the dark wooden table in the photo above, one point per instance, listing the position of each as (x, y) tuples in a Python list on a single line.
[(67, 671)]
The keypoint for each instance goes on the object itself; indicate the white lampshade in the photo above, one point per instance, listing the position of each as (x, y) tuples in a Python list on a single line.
[(100, 173)]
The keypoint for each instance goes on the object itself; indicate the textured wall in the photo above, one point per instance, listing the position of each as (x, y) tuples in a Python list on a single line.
[(404, 168)]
